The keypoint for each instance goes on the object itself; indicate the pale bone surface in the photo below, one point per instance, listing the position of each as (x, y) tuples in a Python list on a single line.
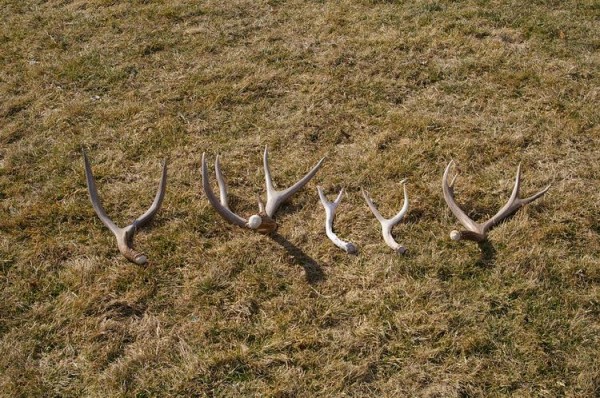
[(388, 224), (330, 208)]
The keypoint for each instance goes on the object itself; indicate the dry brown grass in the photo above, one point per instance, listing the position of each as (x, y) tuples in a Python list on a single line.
[(384, 89)]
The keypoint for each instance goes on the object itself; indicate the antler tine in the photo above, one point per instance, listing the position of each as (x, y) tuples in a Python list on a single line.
[(330, 208), (125, 235), (536, 196), (94, 198), (514, 203), (221, 182), (398, 217), (474, 230), (158, 199), (530, 199), (374, 210), (221, 207), (388, 224), (338, 199), (274, 197)]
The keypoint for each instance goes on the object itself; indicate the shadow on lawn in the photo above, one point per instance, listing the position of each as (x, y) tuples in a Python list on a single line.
[(313, 271), (487, 258)]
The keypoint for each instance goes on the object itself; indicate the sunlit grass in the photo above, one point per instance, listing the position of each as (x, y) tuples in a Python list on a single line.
[(384, 90)]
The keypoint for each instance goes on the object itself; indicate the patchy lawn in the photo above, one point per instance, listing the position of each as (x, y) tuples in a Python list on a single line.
[(385, 90)]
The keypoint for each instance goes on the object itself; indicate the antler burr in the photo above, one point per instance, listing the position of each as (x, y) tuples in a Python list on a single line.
[(475, 231), (125, 235), (263, 221), (388, 224), (330, 208)]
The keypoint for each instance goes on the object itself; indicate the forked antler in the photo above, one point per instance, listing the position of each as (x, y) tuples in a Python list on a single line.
[(330, 207), (475, 231), (125, 235), (263, 221), (388, 224)]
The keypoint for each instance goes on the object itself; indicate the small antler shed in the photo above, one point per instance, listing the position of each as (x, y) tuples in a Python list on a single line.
[(330, 208), (388, 224)]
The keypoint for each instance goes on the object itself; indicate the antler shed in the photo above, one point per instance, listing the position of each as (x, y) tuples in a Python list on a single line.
[(125, 235), (475, 231), (263, 221), (330, 208), (388, 224)]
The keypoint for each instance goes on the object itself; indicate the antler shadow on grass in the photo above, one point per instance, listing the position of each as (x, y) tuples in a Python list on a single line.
[(487, 259), (313, 271)]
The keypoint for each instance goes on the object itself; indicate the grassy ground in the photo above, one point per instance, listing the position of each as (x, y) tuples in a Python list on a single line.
[(385, 90)]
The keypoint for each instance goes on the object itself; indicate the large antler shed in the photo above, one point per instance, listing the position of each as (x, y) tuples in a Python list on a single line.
[(475, 231), (263, 221)]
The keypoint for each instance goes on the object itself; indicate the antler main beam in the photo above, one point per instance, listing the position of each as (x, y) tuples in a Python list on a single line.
[(125, 235), (263, 221), (330, 207), (475, 231), (388, 224)]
